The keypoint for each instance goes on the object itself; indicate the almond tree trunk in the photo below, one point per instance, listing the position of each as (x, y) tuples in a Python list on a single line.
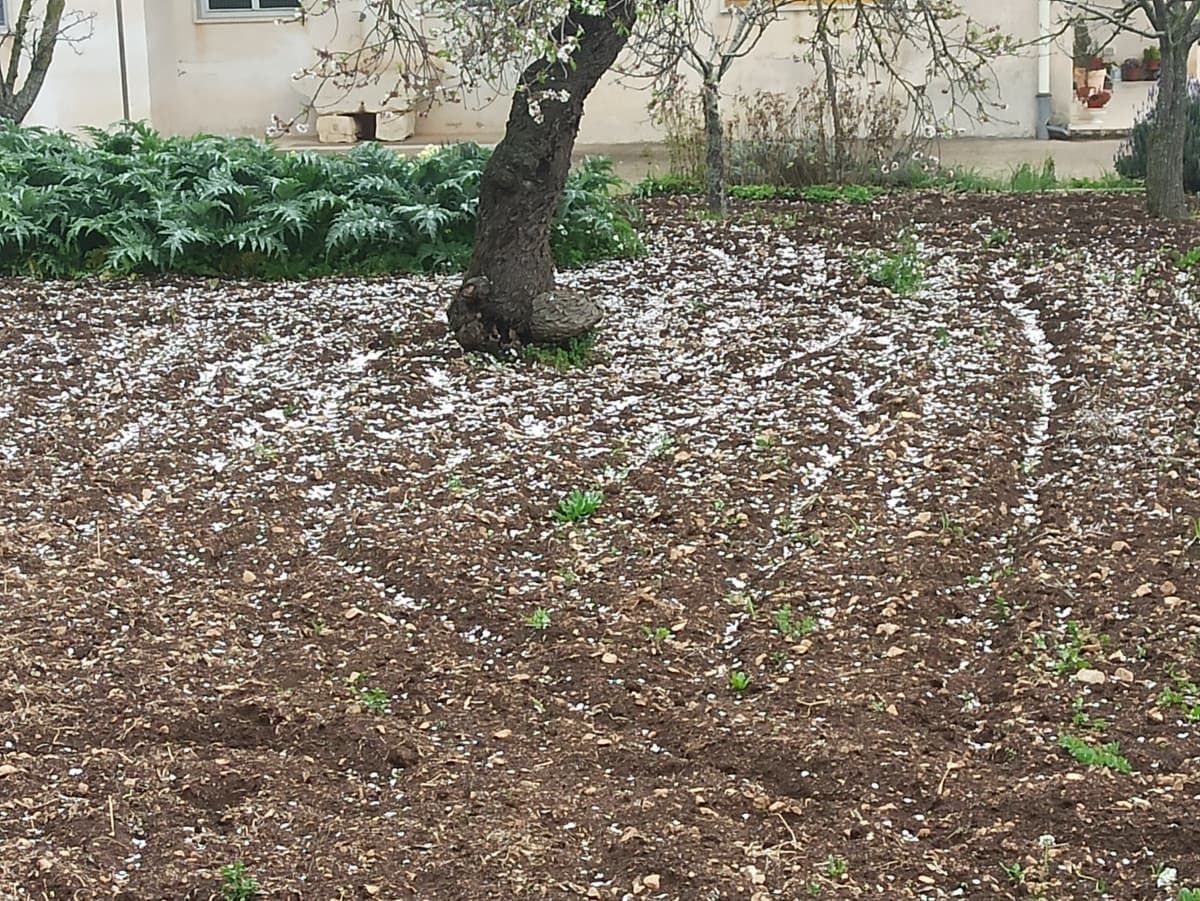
[(508, 292), (716, 194), (1165, 198)]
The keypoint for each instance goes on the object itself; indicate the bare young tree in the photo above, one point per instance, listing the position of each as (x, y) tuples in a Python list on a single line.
[(938, 59), (858, 43), (1175, 26), (30, 45), (688, 35)]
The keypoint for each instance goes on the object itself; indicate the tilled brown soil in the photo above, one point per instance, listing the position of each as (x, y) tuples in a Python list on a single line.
[(281, 584)]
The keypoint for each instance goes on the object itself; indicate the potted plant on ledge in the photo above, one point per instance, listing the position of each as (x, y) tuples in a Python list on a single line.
[(1090, 70), (1152, 62)]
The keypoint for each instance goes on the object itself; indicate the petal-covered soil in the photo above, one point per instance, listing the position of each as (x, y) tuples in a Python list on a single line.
[(886, 597)]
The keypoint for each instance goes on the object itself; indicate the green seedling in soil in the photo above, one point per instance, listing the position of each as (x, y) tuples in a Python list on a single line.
[(1189, 894), (948, 525), (666, 446), (857, 526), (1070, 650), (1099, 885), (942, 335), (575, 354), (1070, 659), (1185, 260), (739, 681), (578, 505), (789, 628), (835, 867), (1081, 719), (236, 883), (318, 627), (1183, 695), (900, 272), (1015, 872), (765, 440), (568, 575), (455, 485), (265, 452), (373, 700), (813, 889), (1002, 608), (998, 238), (989, 343), (1105, 756), (809, 539), (290, 411), (658, 635), (743, 600), (539, 620), (1194, 536)]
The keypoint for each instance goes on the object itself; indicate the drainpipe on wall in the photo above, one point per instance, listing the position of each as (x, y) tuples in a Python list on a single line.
[(124, 63), (1043, 94)]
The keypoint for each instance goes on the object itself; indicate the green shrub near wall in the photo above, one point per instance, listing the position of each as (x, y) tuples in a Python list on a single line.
[(1131, 158), (133, 201)]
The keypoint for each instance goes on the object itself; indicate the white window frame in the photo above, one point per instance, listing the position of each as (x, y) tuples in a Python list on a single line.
[(206, 15)]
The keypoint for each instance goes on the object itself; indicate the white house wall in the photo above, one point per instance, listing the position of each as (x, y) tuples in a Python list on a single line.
[(231, 76), (227, 76), (616, 113), (84, 84)]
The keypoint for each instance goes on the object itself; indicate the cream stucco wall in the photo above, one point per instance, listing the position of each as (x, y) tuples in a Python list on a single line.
[(230, 76), (616, 112), (84, 84)]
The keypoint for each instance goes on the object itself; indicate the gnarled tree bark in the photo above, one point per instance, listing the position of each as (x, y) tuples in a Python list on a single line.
[(1165, 197), (715, 192), (508, 294)]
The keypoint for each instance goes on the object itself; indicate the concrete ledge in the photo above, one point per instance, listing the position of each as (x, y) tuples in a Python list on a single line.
[(992, 156)]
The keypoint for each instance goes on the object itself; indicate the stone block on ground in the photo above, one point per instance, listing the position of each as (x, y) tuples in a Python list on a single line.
[(393, 126), (337, 129)]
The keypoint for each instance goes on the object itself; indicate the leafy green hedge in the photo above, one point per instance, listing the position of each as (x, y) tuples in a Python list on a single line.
[(134, 201), (681, 185), (914, 174)]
